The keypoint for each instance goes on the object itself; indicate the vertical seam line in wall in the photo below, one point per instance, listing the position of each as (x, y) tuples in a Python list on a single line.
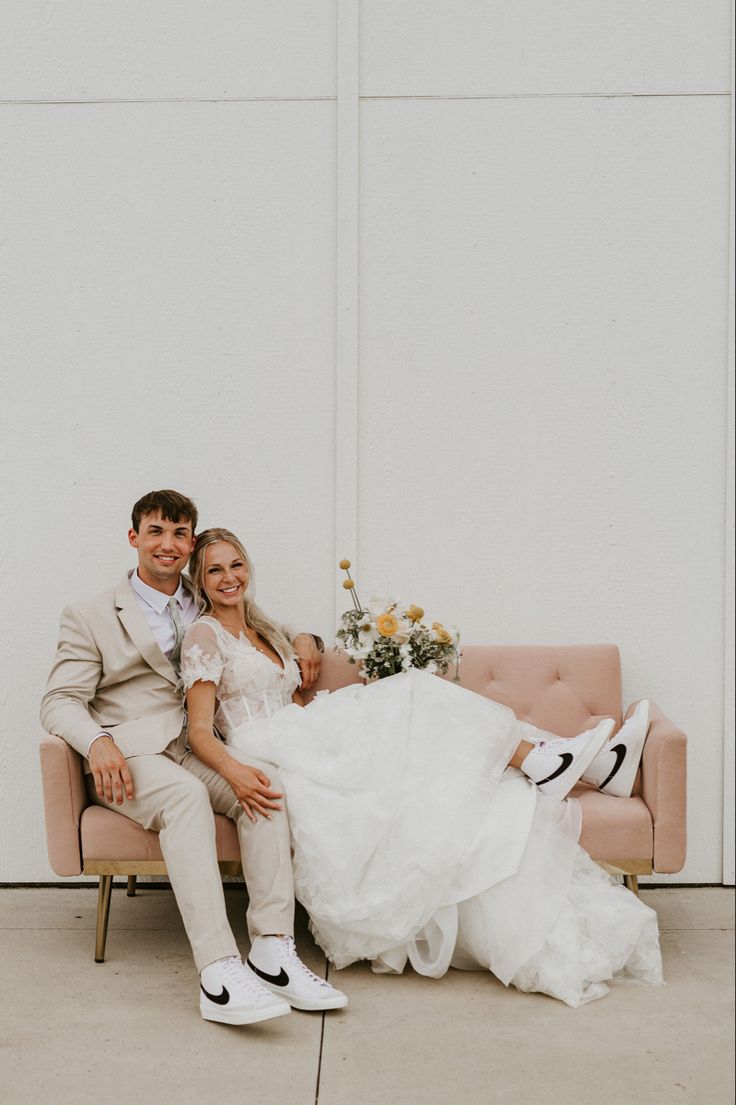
[(347, 280), (728, 857)]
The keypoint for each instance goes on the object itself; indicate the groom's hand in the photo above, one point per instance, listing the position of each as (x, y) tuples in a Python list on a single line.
[(308, 658), (110, 771)]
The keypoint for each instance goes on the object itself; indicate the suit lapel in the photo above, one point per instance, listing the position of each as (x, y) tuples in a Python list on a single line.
[(136, 627)]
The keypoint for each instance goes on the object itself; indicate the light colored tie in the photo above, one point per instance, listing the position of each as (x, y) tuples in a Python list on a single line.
[(179, 631)]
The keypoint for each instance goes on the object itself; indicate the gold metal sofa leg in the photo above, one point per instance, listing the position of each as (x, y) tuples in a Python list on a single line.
[(103, 916), (131, 886), (630, 869)]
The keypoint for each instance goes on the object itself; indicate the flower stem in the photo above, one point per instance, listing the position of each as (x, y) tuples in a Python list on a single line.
[(354, 597)]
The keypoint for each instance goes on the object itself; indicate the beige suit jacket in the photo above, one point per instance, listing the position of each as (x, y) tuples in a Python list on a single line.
[(110, 674)]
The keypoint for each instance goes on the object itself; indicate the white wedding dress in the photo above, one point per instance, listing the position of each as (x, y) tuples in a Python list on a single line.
[(413, 841)]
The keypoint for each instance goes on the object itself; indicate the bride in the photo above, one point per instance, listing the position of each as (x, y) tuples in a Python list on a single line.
[(424, 827)]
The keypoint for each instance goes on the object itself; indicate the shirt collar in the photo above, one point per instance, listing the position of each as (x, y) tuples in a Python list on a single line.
[(157, 599)]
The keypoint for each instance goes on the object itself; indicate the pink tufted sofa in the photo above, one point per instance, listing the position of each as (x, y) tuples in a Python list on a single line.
[(562, 689)]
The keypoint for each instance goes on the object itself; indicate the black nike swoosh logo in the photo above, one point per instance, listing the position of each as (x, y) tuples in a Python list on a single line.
[(567, 758), (620, 752), (281, 979), (218, 999)]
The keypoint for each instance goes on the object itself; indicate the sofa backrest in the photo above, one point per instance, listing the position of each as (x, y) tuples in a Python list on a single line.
[(561, 688)]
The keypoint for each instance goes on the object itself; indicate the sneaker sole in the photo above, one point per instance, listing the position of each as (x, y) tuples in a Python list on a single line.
[(317, 1007), (244, 1016), (304, 1005)]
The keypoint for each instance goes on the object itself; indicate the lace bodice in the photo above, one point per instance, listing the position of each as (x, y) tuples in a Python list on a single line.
[(249, 685)]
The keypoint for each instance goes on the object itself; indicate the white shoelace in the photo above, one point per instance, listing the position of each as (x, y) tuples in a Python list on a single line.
[(295, 962), (562, 744), (553, 745), (239, 978)]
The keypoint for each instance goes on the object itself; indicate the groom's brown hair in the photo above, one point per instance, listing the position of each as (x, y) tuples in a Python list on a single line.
[(171, 505)]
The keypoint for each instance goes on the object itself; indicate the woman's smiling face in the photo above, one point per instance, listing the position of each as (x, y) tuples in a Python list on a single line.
[(225, 575)]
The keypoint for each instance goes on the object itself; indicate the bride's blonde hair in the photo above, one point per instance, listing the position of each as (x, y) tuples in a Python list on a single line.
[(255, 619)]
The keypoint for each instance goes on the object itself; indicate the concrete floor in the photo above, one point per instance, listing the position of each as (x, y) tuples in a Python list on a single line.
[(74, 1032)]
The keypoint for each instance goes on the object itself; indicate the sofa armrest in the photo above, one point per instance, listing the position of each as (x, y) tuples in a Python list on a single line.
[(664, 789), (64, 798)]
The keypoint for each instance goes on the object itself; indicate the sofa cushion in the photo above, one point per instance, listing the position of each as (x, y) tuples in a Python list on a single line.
[(613, 828), (563, 689), (109, 835)]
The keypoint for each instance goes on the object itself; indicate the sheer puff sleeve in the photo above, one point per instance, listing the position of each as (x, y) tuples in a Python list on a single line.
[(201, 657)]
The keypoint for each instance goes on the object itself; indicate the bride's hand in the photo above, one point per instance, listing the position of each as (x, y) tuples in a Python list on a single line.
[(252, 789)]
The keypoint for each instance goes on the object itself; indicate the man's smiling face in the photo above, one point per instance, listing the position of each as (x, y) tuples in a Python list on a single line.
[(163, 548)]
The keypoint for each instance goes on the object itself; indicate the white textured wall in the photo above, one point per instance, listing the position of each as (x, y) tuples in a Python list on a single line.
[(469, 328)]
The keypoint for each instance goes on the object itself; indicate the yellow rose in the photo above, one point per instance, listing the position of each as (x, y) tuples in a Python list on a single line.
[(344, 564), (386, 624), (443, 637), (415, 613)]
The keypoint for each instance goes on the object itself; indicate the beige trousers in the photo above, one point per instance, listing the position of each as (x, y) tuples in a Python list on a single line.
[(176, 794)]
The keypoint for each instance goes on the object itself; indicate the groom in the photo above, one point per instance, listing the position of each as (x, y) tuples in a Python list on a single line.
[(113, 695)]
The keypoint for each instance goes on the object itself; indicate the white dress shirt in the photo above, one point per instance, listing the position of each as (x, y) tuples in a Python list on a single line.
[(155, 607)]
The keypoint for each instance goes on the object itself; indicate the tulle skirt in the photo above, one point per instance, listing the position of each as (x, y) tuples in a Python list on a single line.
[(414, 842)]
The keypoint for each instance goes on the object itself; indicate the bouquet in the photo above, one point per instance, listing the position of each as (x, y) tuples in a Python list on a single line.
[(386, 638)]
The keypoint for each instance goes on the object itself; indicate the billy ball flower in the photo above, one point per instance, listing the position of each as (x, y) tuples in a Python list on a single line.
[(349, 585)]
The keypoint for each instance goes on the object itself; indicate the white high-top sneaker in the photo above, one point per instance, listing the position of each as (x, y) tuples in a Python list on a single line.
[(614, 769), (557, 765), (274, 963), (230, 994)]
